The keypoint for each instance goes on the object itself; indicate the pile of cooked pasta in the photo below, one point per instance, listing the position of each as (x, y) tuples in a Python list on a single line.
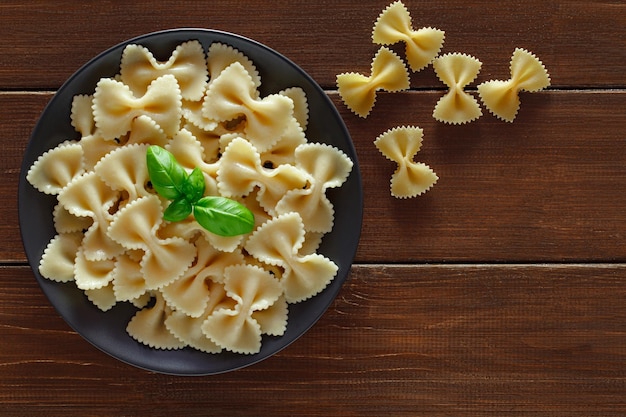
[(191, 287)]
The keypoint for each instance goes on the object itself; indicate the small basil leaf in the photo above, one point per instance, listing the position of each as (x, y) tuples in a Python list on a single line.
[(178, 210), (166, 174), (223, 216), (193, 187)]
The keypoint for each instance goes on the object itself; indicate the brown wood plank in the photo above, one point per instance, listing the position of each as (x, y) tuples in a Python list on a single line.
[(581, 42), (548, 187), (399, 340)]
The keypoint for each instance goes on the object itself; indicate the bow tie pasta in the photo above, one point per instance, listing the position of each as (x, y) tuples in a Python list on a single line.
[(501, 97), (208, 292)]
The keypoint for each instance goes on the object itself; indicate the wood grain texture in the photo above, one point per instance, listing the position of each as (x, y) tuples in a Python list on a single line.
[(583, 42), (461, 340)]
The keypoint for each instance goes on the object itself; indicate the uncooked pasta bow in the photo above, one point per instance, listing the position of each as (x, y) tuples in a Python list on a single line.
[(400, 145), (112, 237), (457, 71), (388, 73), (527, 74), (394, 25)]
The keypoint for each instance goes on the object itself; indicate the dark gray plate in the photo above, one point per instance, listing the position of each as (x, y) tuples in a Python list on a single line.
[(107, 331)]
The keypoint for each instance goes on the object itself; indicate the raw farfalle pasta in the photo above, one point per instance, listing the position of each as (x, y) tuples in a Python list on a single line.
[(457, 71), (400, 145), (527, 74), (192, 287), (388, 73), (394, 25)]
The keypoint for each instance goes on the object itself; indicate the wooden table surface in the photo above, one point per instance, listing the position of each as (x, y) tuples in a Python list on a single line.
[(501, 291)]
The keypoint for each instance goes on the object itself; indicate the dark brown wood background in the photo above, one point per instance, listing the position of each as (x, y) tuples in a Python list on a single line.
[(502, 291)]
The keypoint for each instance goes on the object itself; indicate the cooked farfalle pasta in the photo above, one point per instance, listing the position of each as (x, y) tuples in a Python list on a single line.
[(123, 169), (241, 170), (135, 226), (253, 289), (191, 287), (394, 25), (388, 73), (328, 168), (89, 196), (400, 145), (277, 242), (138, 68), (527, 74), (115, 106), (233, 94), (456, 71), (148, 326), (56, 168), (57, 261)]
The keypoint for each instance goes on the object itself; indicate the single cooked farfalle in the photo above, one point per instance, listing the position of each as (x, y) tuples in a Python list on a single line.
[(139, 67), (56, 168), (124, 169), (233, 94), (328, 167), (277, 242), (88, 196), (388, 73), (456, 71), (400, 145), (394, 25), (115, 106), (527, 74), (135, 227), (241, 170), (57, 261), (147, 326), (91, 275), (220, 56), (189, 329), (190, 293), (235, 329)]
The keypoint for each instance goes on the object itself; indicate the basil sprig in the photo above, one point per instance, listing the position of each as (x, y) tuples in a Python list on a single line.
[(219, 215)]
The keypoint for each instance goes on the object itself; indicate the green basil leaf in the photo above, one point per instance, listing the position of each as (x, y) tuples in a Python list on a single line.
[(166, 174), (178, 210), (223, 216), (193, 187)]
